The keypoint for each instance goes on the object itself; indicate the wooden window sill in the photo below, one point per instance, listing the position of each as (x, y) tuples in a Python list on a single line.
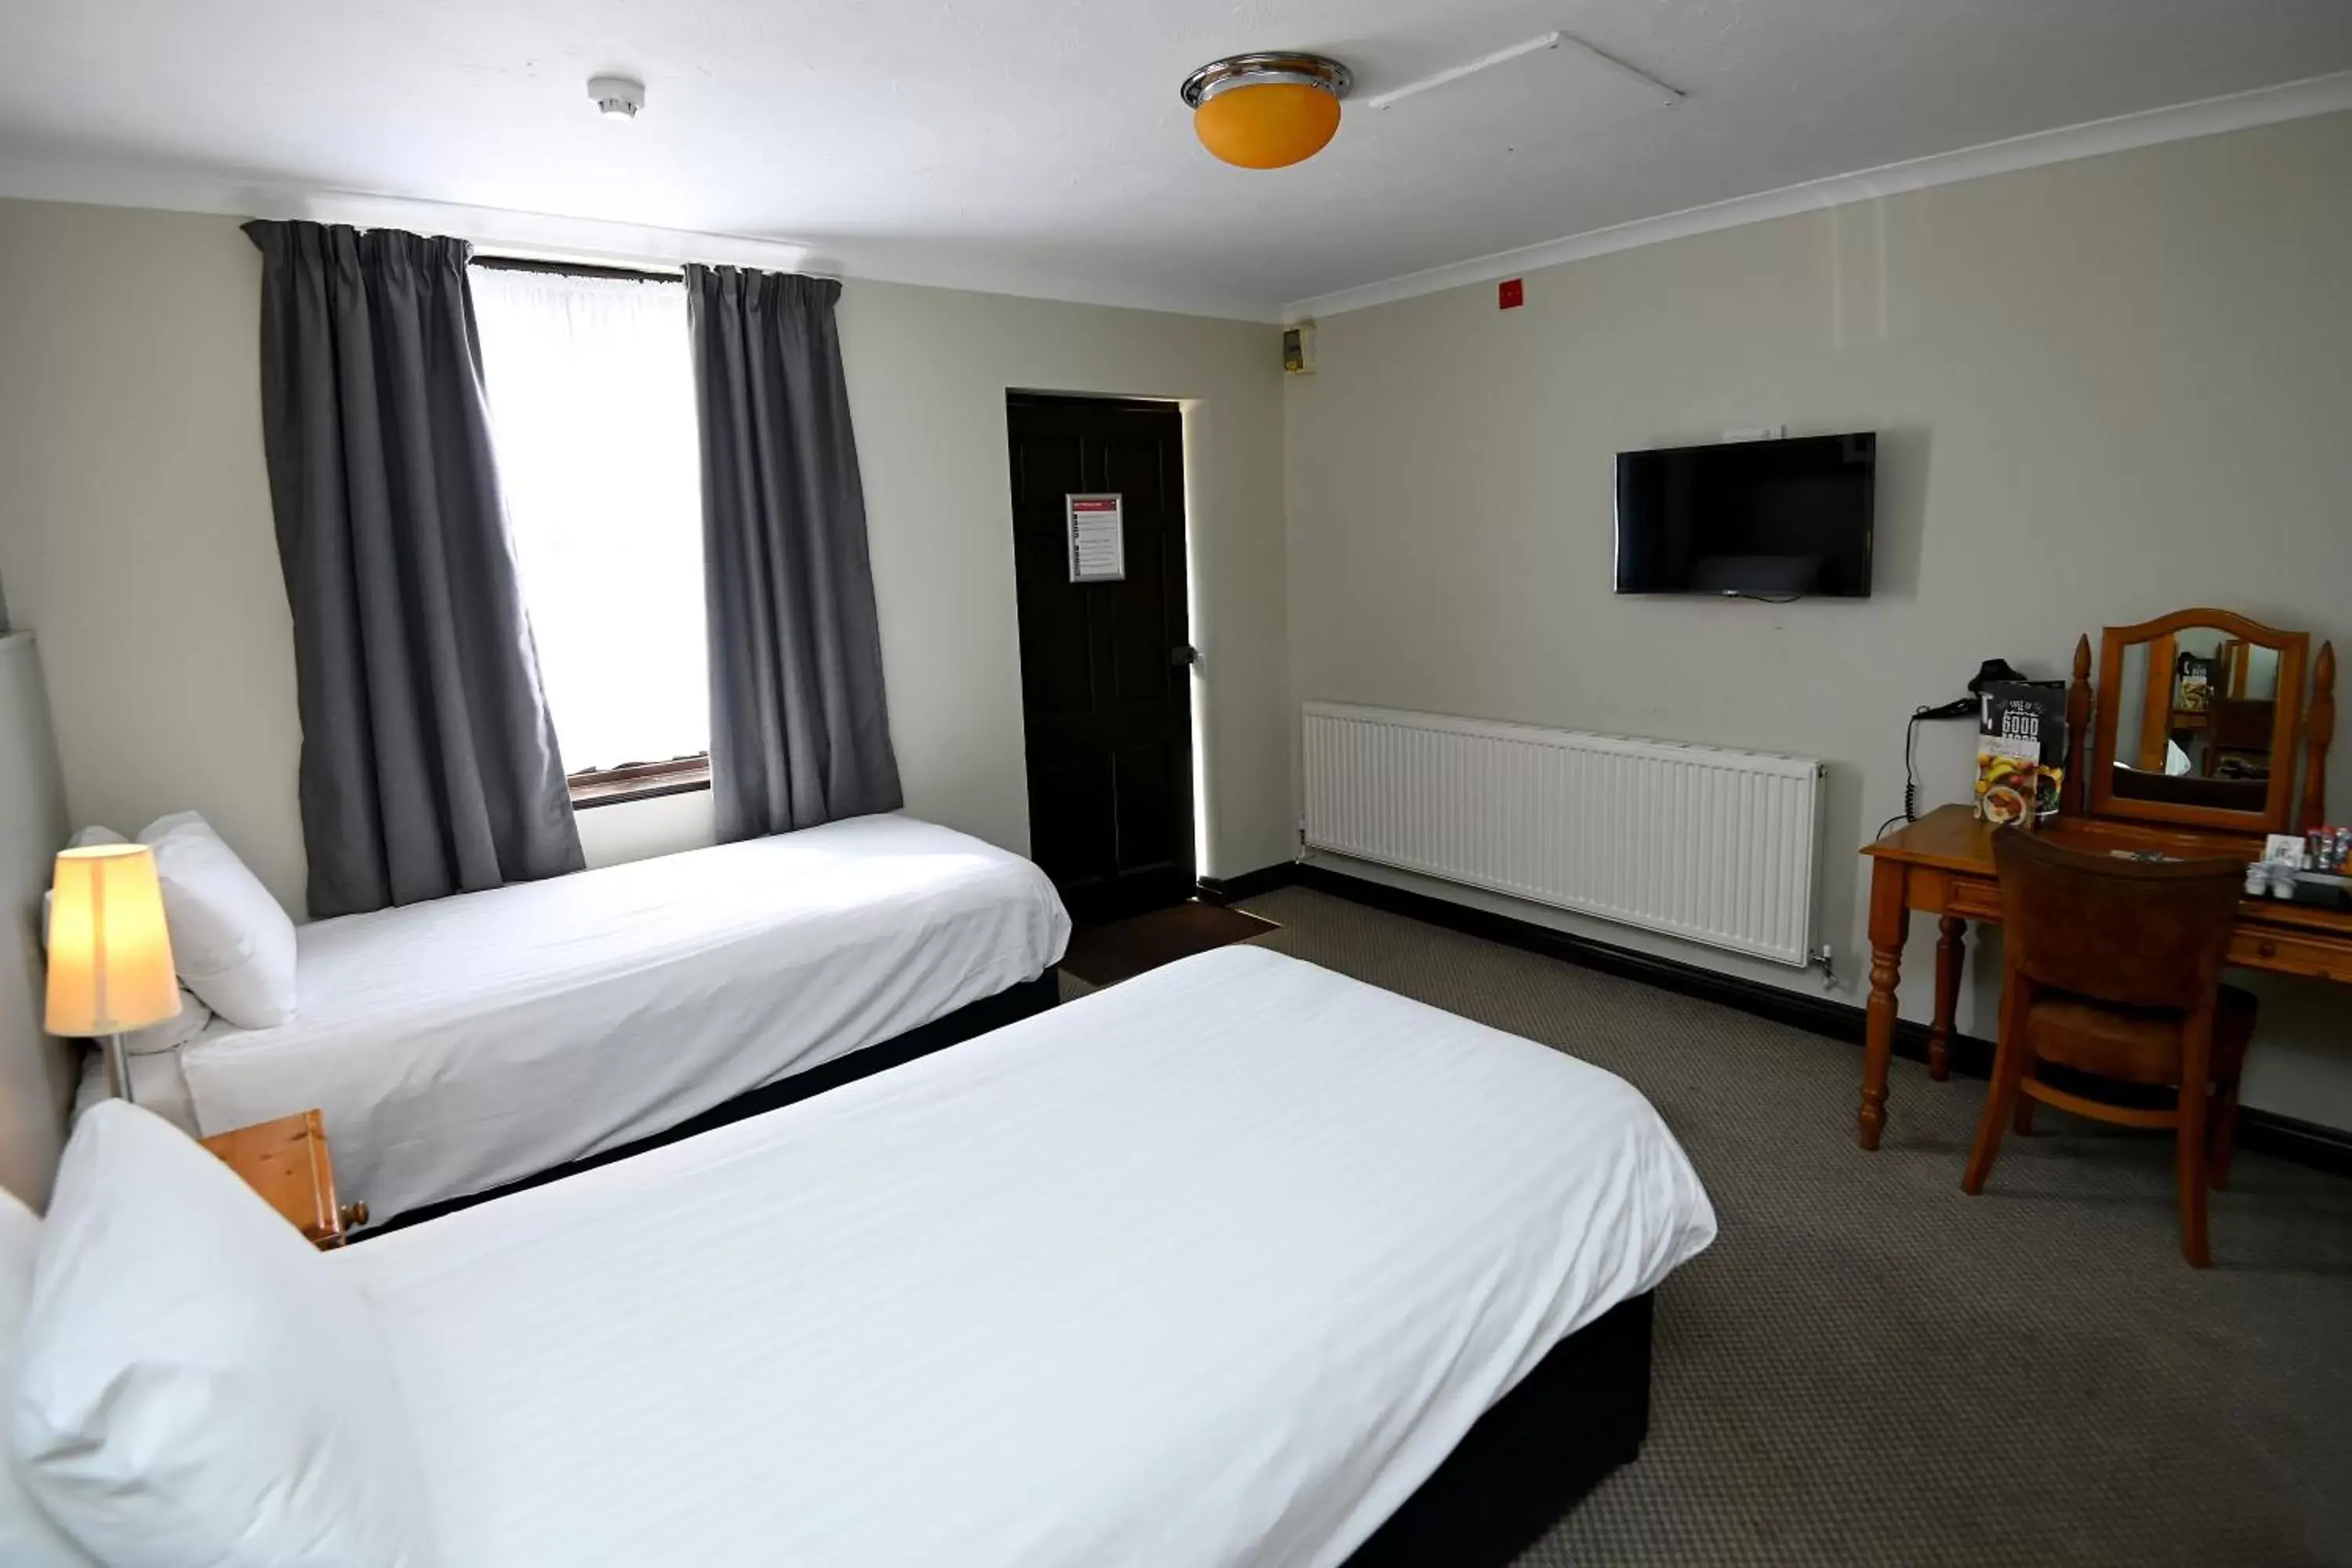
[(639, 781)]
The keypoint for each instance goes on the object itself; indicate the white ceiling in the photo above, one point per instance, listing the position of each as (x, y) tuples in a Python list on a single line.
[(1040, 148)]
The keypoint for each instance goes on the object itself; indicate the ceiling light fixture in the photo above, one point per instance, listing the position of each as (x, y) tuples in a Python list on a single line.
[(617, 97), (1266, 111)]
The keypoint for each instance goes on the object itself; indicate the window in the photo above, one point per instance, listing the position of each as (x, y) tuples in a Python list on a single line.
[(592, 397)]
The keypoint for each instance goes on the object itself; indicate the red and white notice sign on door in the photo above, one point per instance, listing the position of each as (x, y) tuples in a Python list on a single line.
[(1097, 539)]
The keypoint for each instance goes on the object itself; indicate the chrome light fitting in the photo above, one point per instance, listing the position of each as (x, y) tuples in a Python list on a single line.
[(1268, 109)]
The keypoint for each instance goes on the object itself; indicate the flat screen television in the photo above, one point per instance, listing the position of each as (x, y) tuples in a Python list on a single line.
[(1766, 519)]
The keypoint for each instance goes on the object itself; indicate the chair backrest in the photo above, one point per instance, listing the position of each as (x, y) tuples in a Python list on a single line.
[(2137, 933)]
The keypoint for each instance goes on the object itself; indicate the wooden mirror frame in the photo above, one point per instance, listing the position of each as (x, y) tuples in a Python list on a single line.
[(2286, 726)]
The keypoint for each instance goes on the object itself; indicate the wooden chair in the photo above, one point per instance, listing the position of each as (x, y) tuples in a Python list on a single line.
[(2112, 967)]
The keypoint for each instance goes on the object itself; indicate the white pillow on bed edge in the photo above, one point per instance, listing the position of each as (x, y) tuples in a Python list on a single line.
[(172, 1032), (28, 1538), (233, 945), (195, 1384)]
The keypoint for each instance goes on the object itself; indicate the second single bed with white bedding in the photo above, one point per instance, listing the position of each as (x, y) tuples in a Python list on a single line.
[(464, 1043), (1213, 1267)]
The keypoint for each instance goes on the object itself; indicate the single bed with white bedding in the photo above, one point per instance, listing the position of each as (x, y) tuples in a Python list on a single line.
[(1213, 1267), (461, 1044), (1218, 1265)]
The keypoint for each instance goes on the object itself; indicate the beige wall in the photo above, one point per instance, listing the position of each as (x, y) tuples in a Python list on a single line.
[(134, 520), (2106, 389), (928, 369), (135, 534)]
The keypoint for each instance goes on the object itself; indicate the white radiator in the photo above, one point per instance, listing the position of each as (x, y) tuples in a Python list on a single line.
[(1700, 842)]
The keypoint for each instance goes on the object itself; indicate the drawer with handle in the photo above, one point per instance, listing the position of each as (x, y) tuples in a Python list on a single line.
[(2282, 952)]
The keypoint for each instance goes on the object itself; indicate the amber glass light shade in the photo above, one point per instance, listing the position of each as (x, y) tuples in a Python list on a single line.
[(1267, 125)]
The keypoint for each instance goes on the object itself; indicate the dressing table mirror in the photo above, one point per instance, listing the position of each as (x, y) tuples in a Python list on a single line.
[(2200, 719)]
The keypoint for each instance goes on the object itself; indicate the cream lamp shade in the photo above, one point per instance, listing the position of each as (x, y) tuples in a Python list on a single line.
[(110, 957)]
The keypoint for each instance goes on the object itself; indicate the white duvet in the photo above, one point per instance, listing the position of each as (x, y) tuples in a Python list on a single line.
[(459, 1044), (1213, 1267)]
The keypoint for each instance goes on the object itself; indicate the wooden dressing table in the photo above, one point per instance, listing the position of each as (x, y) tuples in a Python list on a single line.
[(1942, 864)]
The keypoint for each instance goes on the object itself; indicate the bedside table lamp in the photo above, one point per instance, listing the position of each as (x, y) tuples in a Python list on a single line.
[(110, 957)]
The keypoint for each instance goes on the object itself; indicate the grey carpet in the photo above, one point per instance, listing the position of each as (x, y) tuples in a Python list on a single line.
[(1870, 1367)]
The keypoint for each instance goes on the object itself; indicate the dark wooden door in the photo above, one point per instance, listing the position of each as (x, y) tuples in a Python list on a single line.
[(1106, 667)]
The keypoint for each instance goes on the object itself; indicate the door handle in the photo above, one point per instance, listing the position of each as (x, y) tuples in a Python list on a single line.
[(1186, 654)]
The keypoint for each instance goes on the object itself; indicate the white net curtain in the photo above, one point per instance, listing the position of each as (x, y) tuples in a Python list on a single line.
[(592, 399)]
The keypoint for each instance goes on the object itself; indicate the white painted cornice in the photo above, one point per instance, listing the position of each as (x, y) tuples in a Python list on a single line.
[(2208, 117)]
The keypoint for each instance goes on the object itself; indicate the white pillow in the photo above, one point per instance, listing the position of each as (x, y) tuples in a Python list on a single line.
[(172, 1032), (197, 1385), (28, 1538), (234, 945)]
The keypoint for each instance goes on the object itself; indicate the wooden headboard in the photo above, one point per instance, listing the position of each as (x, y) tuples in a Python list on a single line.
[(36, 1070)]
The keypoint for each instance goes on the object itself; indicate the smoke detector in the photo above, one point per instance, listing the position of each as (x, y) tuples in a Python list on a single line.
[(617, 97)]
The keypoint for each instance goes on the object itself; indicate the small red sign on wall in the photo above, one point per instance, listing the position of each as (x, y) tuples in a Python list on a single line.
[(1511, 294)]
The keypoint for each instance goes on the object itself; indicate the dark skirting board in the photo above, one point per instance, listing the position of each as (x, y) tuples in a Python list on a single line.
[(1009, 1005), (1582, 1413)]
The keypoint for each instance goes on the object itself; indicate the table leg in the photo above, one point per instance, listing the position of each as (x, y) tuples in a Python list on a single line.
[(1949, 957), (1889, 918)]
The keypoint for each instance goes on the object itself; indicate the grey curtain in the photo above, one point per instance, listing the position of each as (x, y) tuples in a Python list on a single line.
[(800, 730), (428, 759)]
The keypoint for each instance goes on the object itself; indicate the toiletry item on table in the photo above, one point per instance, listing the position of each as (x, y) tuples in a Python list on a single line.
[(2328, 849), (2283, 857), (2312, 869)]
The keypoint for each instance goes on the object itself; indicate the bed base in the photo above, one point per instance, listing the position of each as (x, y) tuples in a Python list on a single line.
[(1009, 1005), (1582, 1413)]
